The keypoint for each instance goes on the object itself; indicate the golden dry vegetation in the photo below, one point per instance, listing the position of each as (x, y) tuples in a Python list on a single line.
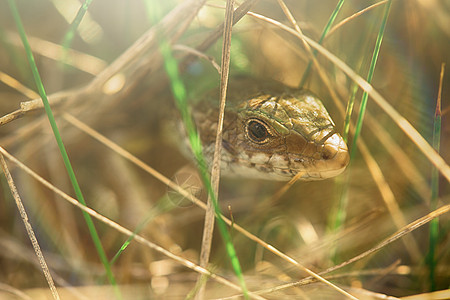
[(112, 90)]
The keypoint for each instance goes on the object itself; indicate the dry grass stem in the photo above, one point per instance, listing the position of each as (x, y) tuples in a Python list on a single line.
[(129, 59), (316, 64), (402, 232), (121, 229), (184, 11), (218, 31), (354, 16), (177, 188), (407, 166), (398, 119), (115, 90), (399, 234), (390, 201), (12, 82), (439, 96), (199, 54), (377, 175), (29, 228), (208, 226), (80, 60), (133, 159)]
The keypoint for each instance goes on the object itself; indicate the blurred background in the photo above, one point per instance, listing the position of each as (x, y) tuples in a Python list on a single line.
[(132, 106)]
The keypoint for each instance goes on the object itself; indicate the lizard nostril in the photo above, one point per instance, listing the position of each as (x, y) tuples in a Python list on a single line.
[(326, 155), (335, 151)]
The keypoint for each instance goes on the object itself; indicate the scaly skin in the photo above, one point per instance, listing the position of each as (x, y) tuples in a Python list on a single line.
[(272, 132)]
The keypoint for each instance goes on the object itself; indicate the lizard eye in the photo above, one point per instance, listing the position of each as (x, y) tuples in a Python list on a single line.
[(257, 131)]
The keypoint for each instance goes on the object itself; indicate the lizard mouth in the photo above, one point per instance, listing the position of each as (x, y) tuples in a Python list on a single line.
[(330, 159)]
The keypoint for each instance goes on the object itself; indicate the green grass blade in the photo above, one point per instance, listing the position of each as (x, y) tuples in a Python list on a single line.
[(341, 183), (373, 63), (340, 215), (73, 180), (354, 89), (434, 224), (324, 33), (68, 37), (179, 93), (163, 205), (348, 113)]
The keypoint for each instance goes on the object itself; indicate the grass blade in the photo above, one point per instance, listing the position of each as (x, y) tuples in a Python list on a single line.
[(434, 224), (379, 100), (141, 240), (163, 206), (348, 113), (373, 63), (74, 25), (343, 200), (208, 226), (29, 228), (324, 33), (70, 172), (179, 93)]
